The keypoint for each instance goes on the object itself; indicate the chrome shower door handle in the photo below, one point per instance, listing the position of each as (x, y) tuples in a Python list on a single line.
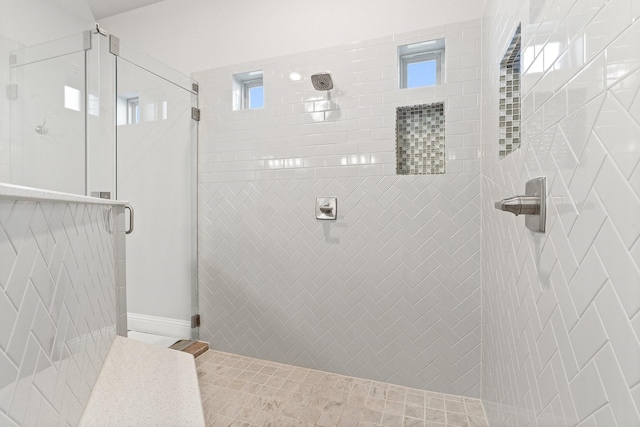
[(131, 213), (533, 204)]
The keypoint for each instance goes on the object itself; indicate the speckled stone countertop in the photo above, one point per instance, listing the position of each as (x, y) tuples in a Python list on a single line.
[(145, 385), (18, 192)]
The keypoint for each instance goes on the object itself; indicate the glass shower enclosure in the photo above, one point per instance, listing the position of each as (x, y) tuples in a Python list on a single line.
[(156, 162), (47, 100), (92, 115)]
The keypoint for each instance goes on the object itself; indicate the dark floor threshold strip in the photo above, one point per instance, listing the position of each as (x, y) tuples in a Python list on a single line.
[(195, 348)]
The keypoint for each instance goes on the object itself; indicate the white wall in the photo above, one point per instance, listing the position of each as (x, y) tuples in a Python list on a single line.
[(31, 22), (390, 291), (561, 311), (194, 35)]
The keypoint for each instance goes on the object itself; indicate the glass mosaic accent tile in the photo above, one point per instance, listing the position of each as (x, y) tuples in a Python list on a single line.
[(420, 139), (510, 109)]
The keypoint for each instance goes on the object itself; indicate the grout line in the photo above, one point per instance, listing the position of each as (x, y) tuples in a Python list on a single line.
[(250, 361)]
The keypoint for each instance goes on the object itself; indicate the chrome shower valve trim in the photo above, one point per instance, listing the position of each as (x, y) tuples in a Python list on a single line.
[(533, 204)]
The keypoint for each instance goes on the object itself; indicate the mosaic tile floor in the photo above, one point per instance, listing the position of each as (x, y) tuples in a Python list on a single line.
[(241, 391)]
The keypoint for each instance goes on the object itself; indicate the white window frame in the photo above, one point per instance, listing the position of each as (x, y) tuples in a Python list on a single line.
[(432, 50), (246, 92), (133, 107), (242, 85)]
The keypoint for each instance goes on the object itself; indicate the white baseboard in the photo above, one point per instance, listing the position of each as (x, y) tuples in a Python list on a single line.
[(159, 325)]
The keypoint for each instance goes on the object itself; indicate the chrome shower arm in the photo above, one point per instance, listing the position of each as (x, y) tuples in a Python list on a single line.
[(533, 204)]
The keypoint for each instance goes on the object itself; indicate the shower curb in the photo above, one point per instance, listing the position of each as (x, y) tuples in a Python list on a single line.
[(142, 384)]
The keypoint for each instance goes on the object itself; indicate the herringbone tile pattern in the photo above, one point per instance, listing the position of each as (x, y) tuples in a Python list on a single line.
[(561, 311), (57, 308), (390, 291)]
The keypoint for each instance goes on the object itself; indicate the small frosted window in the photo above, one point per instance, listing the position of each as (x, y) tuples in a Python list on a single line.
[(93, 105), (133, 111), (421, 64), (248, 90), (72, 98), (256, 97), (422, 73), (163, 110)]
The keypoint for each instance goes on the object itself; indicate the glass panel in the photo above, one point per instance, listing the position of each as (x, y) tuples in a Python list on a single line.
[(101, 139), (48, 120), (248, 90), (48, 50), (256, 97), (154, 66), (421, 73), (421, 64), (156, 174)]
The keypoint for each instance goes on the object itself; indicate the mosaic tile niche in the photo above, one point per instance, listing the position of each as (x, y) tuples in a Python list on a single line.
[(509, 125), (420, 139)]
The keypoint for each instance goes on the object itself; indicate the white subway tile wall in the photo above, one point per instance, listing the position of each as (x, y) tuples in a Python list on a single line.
[(325, 129), (57, 308), (391, 290), (561, 311)]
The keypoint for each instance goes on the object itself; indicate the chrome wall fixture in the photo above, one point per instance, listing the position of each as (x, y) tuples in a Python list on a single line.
[(41, 129), (322, 81), (533, 204), (327, 208)]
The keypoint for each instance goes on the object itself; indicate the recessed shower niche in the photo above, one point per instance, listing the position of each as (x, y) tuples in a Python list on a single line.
[(420, 139), (510, 110)]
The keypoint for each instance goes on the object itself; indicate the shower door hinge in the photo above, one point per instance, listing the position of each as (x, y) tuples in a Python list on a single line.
[(114, 45), (195, 114), (86, 40), (101, 31), (12, 92), (194, 87), (195, 321)]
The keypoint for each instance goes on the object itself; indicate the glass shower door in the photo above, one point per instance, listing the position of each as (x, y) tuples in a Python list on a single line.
[(156, 152)]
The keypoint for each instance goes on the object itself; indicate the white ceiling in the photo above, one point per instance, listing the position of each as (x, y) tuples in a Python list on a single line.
[(104, 8)]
